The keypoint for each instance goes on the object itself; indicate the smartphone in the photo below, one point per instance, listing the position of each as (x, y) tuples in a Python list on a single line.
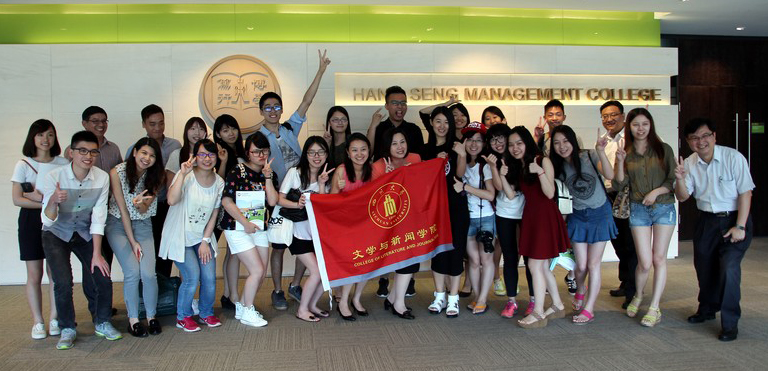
[(27, 187)]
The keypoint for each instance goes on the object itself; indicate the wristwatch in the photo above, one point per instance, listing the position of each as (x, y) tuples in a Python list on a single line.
[(741, 227), (207, 239)]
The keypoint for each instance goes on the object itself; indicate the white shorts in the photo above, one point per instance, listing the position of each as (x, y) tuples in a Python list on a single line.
[(240, 241)]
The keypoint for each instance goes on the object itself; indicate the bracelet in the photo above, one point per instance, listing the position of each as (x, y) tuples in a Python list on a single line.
[(464, 187), (540, 174)]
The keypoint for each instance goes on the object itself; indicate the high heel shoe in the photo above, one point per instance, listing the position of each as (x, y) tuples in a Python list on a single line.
[(361, 313), (388, 305), (346, 318), (405, 315)]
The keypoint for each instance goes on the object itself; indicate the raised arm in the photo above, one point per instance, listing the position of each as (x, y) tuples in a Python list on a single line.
[(376, 119), (312, 90)]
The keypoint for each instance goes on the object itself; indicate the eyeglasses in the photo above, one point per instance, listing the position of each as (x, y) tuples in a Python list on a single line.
[(260, 152), (694, 138), (316, 153), (85, 151), (401, 103), (498, 140), (105, 121), (272, 108), (203, 155), (611, 116), (339, 120)]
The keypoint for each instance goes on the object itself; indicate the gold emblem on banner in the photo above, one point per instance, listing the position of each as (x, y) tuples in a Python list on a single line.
[(234, 85), (389, 205)]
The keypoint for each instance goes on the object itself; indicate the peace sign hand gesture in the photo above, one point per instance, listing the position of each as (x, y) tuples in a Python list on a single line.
[(538, 131), (267, 170), (188, 165), (621, 154), (601, 142), (223, 154), (324, 61), (328, 137), (388, 168), (323, 177), (377, 117), (680, 172)]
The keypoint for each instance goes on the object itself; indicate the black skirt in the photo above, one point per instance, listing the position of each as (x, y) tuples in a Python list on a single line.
[(30, 235), (299, 246)]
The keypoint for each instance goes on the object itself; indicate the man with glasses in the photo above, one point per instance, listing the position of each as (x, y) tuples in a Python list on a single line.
[(74, 215), (719, 179), (612, 117), (153, 123), (285, 152), (396, 104)]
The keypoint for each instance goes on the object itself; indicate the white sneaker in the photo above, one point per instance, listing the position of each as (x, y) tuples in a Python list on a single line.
[(251, 317), (195, 307), (38, 331), (53, 328), (239, 310)]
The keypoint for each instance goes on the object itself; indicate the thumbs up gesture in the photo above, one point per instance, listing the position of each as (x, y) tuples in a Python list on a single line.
[(59, 195)]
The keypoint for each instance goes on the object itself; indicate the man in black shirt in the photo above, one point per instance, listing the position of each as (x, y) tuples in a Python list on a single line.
[(396, 103)]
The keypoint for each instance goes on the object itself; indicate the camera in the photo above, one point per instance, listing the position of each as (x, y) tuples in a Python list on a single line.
[(486, 238)]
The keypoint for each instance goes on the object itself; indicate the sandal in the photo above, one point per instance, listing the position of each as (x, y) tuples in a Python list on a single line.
[(553, 312), (540, 321), (311, 318), (452, 309), (438, 304), (479, 309), (471, 306), (585, 314), (650, 320), (322, 313), (577, 298), (633, 307)]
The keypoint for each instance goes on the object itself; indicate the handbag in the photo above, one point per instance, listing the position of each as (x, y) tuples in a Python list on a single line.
[(563, 198), (621, 204), (279, 228), (294, 215), (167, 296)]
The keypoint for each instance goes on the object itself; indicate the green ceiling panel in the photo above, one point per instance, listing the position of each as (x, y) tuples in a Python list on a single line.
[(170, 23)]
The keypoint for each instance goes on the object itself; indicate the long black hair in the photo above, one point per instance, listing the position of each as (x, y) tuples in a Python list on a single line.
[(451, 136), (349, 167), (155, 173), (654, 142), (558, 162), (232, 153), (519, 169), (186, 149), (303, 165), (386, 141), (40, 126)]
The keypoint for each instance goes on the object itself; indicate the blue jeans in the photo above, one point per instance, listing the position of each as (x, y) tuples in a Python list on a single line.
[(193, 271), (57, 253), (646, 216), (133, 269), (486, 223)]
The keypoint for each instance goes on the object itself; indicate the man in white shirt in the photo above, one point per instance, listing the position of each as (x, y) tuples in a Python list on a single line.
[(612, 117), (74, 215), (719, 179)]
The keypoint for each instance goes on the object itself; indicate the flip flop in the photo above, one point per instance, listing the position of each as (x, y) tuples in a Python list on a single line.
[(590, 317), (479, 309), (322, 314), (310, 319)]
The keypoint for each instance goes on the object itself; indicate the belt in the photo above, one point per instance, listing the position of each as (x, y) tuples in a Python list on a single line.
[(722, 214)]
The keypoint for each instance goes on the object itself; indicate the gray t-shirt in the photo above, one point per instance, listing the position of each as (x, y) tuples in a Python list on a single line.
[(290, 158), (586, 190)]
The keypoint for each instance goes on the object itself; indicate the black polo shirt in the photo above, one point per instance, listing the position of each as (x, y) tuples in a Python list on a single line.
[(412, 136)]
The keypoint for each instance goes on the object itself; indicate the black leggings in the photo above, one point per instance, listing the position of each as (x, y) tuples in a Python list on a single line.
[(506, 229)]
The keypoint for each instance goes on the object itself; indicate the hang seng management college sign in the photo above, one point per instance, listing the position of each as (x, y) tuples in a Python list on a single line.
[(363, 89)]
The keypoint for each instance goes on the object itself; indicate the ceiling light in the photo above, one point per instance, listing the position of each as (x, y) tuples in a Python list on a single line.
[(740, 28)]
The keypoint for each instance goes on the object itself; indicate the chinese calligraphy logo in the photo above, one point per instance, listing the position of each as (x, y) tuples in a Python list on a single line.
[(389, 205), (234, 85)]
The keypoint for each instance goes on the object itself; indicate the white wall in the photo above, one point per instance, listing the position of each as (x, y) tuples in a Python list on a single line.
[(58, 81)]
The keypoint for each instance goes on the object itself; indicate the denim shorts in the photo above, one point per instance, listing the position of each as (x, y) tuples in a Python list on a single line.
[(646, 216), (486, 223)]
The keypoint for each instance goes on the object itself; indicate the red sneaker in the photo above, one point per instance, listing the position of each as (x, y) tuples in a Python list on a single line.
[(187, 324), (530, 308), (212, 321), (509, 310)]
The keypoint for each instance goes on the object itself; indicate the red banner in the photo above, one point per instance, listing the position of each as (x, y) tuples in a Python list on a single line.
[(395, 221)]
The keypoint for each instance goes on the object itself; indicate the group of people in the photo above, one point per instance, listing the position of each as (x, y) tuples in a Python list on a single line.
[(169, 202)]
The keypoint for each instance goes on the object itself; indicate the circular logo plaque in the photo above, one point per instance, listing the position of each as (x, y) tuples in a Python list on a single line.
[(389, 205), (234, 85)]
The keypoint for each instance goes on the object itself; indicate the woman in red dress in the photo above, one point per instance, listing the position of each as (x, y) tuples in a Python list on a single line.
[(543, 235)]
